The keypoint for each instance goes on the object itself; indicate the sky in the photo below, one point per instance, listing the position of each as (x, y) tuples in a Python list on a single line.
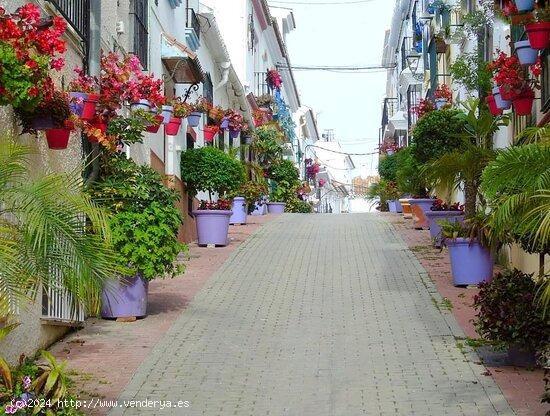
[(342, 34)]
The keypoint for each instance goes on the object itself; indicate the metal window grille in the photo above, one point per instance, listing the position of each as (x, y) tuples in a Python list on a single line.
[(208, 88), (192, 22), (545, 81), (77, 15), (413, 99), (261, 86), (141, 34)]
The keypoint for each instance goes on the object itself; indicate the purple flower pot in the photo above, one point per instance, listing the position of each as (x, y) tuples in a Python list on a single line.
[(234, 133), (424, 203), (440, 103), (76, 102), (526, 54), (435, 228), (499, 101), (525, 5), (398, 206), (144, 105), (224, 124), (212, 226), (392, 205), (44, 122), (276, 207), (239, 211), (521, 357), (471, 263), (122, 298), (167, 111), (194, 119)]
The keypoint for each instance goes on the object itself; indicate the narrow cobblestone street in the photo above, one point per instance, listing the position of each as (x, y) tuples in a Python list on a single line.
[(317, 315)]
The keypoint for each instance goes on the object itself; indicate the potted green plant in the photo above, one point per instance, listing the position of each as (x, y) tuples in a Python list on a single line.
[(265, 101), (210, 170), (510, 316), (144, 226), (278, 197), (245, 198)]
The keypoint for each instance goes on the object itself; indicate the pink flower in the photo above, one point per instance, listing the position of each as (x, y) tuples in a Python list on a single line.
[(57, 64), (10, 409)]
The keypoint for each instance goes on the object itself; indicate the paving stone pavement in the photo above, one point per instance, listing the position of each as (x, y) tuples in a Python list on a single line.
[(317, 315)]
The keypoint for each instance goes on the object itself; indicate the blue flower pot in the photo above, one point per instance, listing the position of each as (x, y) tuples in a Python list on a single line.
[(525, 5), (499, 101), (194, 119)]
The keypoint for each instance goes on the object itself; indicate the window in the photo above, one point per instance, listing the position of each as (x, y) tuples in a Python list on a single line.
[(141, 35), (545, 82), (77, 15), (208, 88)]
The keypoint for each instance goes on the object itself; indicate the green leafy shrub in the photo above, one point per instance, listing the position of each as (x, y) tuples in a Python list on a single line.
[(145, 240), (130, 129), (284, 171), (470, 71), (283, 192), (251, 191), (409, 177), (268, 144), (298, 206), (435, 134), (384, 191), (211, 170), (387, 167), (508, 314)]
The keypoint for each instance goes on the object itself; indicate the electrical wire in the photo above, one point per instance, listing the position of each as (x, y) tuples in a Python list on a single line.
[(342, 153), (325, 3)]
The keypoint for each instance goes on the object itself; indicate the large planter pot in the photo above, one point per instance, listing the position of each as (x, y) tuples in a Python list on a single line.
[(521, 357), (435, 229), (419, 206), (76, 102), (398, 206), (193, 119), (212, 226), (471, 263), (392, 206), (525, 5), (89, 109), (234, 133), (526, 54), (539, 34), (167, 111), (407, 213), (276, 207), (239, 211), (144, 105), (124, 298), (58, 139), (499, 101), (173, 127), (523, 104)]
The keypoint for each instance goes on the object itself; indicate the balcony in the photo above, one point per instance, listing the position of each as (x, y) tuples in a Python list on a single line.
[(77, 15), (192, 29), (388, 111), (260, 84)]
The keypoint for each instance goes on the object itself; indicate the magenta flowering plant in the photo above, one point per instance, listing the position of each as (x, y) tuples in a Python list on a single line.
[(322, 182), (274, 79), (440, 205), (312, 169)]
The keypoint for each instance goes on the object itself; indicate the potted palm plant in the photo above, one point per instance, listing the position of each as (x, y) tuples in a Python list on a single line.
[(441, 210), (214, 172)]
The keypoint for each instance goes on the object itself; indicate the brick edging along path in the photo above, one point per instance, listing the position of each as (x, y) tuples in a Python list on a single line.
[(521, 387), (105, 354)]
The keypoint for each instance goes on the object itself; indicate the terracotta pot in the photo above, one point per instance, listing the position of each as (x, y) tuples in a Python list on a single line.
[(58, 139), (173, 127), (407, 213), (539, 34)]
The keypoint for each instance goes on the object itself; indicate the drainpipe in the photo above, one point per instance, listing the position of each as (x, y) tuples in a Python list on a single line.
[(94, 69), (225, 75)]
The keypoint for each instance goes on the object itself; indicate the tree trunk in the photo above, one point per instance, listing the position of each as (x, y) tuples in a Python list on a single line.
[(470, 196)]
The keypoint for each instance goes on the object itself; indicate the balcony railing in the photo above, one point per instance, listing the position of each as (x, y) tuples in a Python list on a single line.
[(260, 84), (193, 22), (413, 99), (141, 34), (77, 15), (390, 108), (406, 48)]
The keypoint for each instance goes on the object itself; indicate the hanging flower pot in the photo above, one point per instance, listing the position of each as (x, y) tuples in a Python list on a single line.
[(499, 101), (154, 128), (525, 5), (495, 111), (224, 124), (506, 93), (526, 54), (194, 118), (76, 102), (234, 133), (89, 109), (210, 132), (58, 139), (523, 104), (143, 104), (539, 34), (167, 111), (173, 127)]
